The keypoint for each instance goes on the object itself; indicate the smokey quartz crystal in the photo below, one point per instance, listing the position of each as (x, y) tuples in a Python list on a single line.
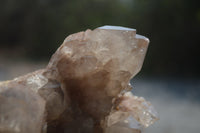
[(84, 88)]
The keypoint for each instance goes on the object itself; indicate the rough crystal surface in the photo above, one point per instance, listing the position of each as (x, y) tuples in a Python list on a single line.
[(21, 109), (84, 88)]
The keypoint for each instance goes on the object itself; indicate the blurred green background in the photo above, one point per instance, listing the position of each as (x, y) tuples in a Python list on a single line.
[(32, 30), (36, 28)]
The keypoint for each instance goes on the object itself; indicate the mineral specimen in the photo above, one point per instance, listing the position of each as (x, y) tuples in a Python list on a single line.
[(84, 88)]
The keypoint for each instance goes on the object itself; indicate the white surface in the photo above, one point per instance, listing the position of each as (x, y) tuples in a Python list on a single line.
[(116, 28)]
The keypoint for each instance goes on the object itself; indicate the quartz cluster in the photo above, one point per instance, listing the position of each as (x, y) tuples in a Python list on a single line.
[(84, 88)]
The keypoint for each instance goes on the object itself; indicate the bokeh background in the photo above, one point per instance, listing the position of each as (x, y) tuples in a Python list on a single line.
[(31, 31)]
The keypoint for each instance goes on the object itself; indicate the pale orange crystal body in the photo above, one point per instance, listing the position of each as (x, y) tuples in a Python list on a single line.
[(86, 83)]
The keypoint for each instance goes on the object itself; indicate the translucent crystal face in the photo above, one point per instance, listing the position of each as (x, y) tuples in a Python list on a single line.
[(127, 125)]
